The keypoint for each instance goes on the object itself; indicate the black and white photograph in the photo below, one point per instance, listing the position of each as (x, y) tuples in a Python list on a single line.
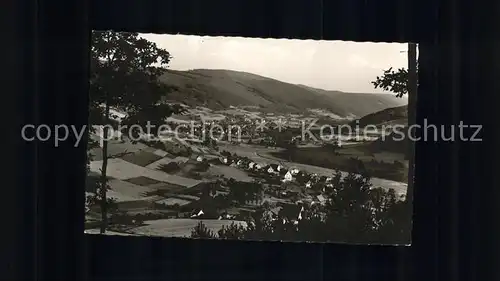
[(255, 139)]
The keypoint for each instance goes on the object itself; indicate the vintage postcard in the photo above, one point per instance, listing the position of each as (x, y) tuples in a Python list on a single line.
[(250, 139)]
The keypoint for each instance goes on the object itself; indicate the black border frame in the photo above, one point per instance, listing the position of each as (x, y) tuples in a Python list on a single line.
[(54, 91)]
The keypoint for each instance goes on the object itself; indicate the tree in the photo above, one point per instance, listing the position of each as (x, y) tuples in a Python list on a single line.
[(209, 190), (124, 74), (412, 106), (302, 178), (254, 191), (332, 146), (202, 231), (210, 142), (171, 167), (289, 146), (233, 231), (355, 212), (398, 81), (222, 202), (238, 192), (395, 81), (401, 82), (243, 192)]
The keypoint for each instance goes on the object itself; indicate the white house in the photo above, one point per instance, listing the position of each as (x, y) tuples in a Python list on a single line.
[(199, 214), (278, 168), (199, 158), (294, 171), (116, 115), (300, 213), (258, 166), (287, 177), (308, 184), (251, 165), (321, 199), (270, 170), (224, 160), (239, 162)]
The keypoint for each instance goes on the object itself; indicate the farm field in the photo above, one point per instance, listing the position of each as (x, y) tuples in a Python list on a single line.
[(178, 227), (140, 187), (243, 142), (229, 172)]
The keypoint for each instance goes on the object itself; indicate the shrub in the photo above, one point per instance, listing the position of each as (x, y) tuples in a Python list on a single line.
[(354, 212), (203, 166), (201, 231), (171, 167)]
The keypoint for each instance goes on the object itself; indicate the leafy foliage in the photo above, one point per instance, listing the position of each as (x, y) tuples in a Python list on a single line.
[(401, 82), (202, 166), (332, 146), (95, 198), (354, 212), (244, 192), (395, 81), (124, 75), (171, 167), (201, 231), (125, 71)]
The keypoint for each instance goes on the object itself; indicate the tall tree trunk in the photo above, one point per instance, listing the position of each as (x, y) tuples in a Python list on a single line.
[(104, 180), (412, 98)]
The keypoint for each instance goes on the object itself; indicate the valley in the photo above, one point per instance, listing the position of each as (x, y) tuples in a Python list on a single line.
[(174, 179)]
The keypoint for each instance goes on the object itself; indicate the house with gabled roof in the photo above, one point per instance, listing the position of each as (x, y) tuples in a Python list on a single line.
[(223, 160), (288, 177), (321, 199)]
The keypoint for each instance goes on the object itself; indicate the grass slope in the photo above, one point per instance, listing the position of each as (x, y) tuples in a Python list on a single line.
[(218, 89), (179, 227), (399, 114), (392, 142)]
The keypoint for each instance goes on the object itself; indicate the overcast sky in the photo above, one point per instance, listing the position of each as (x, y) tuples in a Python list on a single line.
[(330, 65)]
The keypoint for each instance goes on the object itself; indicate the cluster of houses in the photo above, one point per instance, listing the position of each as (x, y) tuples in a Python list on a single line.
[(276, 172), (248, 165), (285, 175)]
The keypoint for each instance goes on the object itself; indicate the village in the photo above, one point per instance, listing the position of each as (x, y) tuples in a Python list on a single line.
[(165, 185)]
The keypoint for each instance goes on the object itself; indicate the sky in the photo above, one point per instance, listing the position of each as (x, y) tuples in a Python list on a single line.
[(330, 65)]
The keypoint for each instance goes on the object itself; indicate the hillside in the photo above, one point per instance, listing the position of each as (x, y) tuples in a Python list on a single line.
[(389, 117), (394, 142), (393, 115), (360, 104), (218, 89)]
